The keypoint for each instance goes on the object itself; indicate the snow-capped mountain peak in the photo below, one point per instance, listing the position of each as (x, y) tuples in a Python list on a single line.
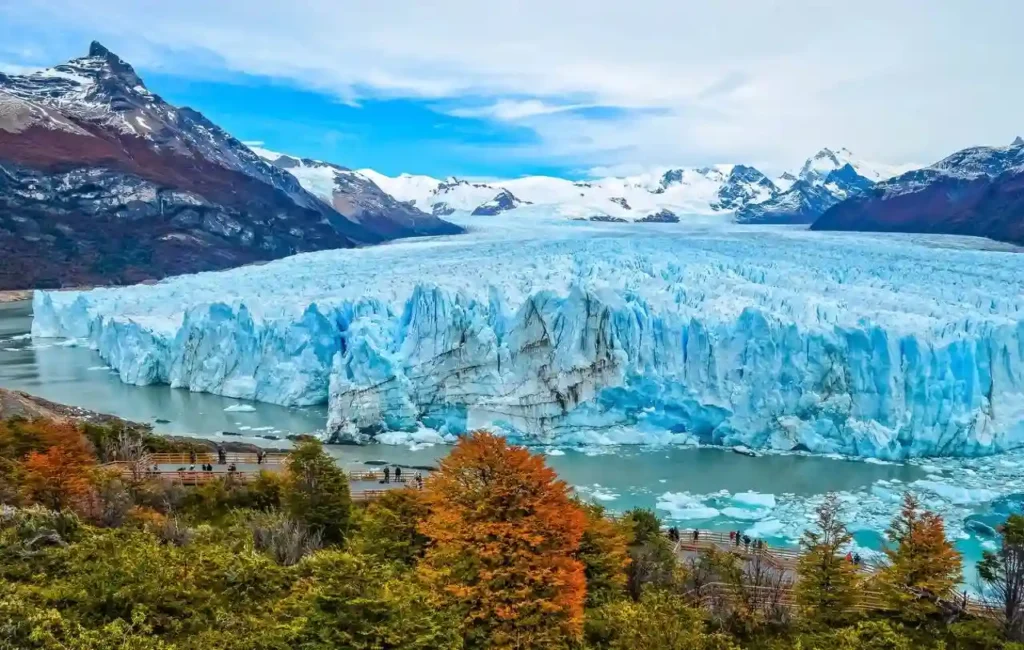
[(817, 168)]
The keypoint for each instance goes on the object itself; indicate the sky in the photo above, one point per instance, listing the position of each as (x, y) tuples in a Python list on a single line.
[(560, 87)]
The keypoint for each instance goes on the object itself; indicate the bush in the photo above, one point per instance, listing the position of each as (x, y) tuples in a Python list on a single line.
[(283, 538)]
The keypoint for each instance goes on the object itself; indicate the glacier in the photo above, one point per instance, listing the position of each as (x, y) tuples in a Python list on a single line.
[(879, 346)]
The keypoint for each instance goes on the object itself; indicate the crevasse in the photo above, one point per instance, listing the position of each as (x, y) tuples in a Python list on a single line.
[(876, 346)]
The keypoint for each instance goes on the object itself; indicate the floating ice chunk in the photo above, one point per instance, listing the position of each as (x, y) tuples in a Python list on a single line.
[(955, 494), (554, 452), (684, 506), (754, 499), (597, 491), (98, 368), (746, 514), (765, 528), (240, 408)]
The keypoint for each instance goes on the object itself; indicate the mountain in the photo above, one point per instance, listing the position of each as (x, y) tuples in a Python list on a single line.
[(744, 186), (975, 191), (826, 178), (503, 201), (358, 198), (102, 181), (704, 190)]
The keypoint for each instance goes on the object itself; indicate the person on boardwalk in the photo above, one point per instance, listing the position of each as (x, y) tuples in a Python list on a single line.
[(387, 474), (746, 543), (856, 559), (419, 481), (696, 535), (232, 469), (849, 557), (398, 474), (732, 535), (192, 456), (260, 454), (222, 456)]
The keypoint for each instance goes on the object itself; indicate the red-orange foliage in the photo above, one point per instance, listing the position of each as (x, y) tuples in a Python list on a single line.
[(58, 476), (503, 533)]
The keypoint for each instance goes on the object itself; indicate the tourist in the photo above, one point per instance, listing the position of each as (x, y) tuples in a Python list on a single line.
[(387, 474), (398, 474), (732, 535), (222, 456), (192, 456), (419, 481), (739, 537), (856, 559), (746, 542), (849, 557), (259, 456), (696, 535), (232, 468)]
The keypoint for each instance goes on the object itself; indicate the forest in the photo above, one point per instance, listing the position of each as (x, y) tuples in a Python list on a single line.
[(494, 552)]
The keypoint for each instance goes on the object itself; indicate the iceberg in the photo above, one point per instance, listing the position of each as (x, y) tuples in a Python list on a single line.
[(879, 346)]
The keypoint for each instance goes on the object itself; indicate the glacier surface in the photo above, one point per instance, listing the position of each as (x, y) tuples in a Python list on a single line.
[(883, 346)]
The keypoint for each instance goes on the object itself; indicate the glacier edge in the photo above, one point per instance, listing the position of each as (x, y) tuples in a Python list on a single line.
[(587, 353)]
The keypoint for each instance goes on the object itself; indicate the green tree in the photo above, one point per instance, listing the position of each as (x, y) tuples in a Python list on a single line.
[(659, 621), (828, 585), (316, 491), (349, 601), (923, 566), (604, 552), (1002, 576), (389, 527), (645, 525)]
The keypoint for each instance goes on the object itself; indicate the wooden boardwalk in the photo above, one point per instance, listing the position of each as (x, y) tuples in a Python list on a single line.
[(160, 466), (786, 561)]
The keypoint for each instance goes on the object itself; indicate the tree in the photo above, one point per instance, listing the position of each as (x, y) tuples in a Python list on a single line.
[(57, 478), (349, 601), (644, 524), (604, 552), (828, 584), (389, 528), (652, 561), (1002, 576), (503, 534), (316, 492), (923, 567), (659, 621)]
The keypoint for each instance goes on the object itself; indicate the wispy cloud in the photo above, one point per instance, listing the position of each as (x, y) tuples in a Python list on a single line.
[(510, 110)]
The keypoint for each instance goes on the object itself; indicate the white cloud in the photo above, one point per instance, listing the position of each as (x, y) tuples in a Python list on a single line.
[(697, 81), (14, 68), (508, 110)]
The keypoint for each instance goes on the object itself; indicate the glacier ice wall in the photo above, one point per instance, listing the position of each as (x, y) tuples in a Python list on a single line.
[(880, 346)]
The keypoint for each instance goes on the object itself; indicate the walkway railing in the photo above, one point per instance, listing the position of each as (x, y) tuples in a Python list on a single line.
[(785, 594)]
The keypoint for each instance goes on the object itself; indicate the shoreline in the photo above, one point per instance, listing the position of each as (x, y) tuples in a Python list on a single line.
[(17, 295)]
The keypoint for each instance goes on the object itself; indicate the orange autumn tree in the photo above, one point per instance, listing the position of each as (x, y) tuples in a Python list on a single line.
[(924, 568), (503, 534), (58, 476)]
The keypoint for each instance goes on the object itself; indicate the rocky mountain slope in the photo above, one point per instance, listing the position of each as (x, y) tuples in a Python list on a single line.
[(826, 178), (102, 181), (976, 191), (358, 197)]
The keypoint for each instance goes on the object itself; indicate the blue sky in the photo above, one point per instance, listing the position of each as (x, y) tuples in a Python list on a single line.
[(541, 87)]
